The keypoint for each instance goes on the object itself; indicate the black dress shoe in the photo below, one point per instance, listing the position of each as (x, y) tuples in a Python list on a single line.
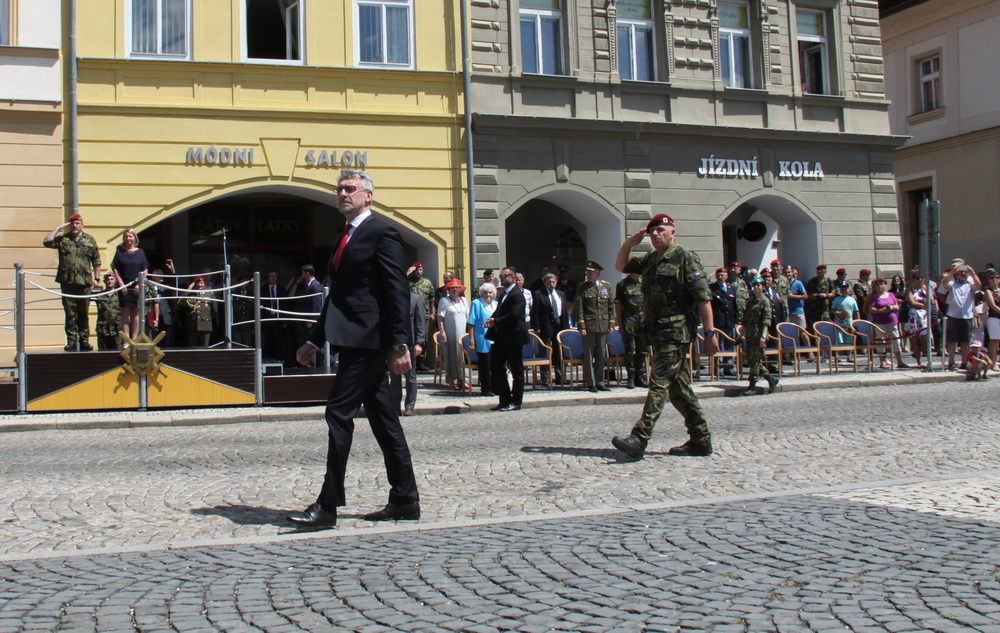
[(404, 512), (510, 407), (592, 389), (315, 515), (690, 449), (602, 387), (499, 407)]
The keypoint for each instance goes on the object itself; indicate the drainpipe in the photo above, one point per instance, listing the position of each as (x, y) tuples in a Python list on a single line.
[(72, 114), (470, 172)]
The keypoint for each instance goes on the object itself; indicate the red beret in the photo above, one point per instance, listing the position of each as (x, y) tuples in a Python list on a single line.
[(841, 271), (864, 271), (735, 265), (720, 270), (75, 216), (776, 261), (199, 279), (417, 265), (765, 273), (658, 219)]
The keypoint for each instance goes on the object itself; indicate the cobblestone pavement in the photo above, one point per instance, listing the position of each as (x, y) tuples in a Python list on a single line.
[(857, 509)]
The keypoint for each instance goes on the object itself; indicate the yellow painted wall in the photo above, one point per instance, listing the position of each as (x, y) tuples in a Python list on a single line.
[(138, 117)]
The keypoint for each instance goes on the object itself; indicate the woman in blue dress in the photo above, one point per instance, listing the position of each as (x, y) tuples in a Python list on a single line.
[(482, 309), (129, 261)]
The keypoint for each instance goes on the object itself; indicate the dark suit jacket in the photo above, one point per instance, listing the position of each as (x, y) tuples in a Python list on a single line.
[(369, 302), (265, 300), (417, 320), (724, 306), (509, 326), (541, 315)]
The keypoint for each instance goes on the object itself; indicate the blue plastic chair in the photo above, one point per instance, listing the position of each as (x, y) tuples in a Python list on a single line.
[(536, 355), (571, 345), (870, 340), (616, 354), (834, 339), (790, 342)]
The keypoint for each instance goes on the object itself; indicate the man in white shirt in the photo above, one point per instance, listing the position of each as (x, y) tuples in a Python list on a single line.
[(958, 289)]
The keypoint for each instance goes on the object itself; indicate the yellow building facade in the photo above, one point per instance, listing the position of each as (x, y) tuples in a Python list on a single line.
[(239, 114)]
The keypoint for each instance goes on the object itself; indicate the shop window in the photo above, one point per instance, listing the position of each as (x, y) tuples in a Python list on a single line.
[(929, 76), (6, 36), (814, 53), (734, 45), (274, 30), (384, 33), (636, 52), (159, 28), (541, 37)]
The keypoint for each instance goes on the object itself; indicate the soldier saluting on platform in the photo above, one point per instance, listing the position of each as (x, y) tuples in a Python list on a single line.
[(79, 271)]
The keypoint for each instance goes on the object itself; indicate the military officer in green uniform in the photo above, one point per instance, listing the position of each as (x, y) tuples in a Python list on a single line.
[(673, 286), (594, 310), (78, 272), (781, 283), (423, 288), (819, 293), (862, 290), (109, 315), (755, 321), (199, 315), (742, 290), (628, 308)]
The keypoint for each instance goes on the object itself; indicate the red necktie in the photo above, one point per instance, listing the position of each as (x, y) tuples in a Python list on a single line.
[(340, 248)]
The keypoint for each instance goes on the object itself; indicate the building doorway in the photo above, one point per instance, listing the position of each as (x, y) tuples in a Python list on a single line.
[(768, 227)]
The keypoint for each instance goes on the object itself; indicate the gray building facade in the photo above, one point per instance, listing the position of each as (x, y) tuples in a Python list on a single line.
[(760, 126)]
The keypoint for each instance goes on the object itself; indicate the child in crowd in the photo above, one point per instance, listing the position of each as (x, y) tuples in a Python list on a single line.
[(109, 316), (977, 362)]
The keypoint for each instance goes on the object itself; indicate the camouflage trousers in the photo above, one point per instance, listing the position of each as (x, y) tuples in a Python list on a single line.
[(636, 346), (77, 312), (670, 378), (756, 365)]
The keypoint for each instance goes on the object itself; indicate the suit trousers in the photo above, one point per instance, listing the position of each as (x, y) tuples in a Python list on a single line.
[(502, 354), (363, 378), (411, 385), (594, 358)]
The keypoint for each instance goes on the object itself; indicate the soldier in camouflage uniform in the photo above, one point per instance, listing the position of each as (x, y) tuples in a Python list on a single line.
[(819, 293), (862, 290), (781, 284), (423, 288), (673, 283), (755, 321), (78, 272), (109, 316), (628, 308), (742, 290)]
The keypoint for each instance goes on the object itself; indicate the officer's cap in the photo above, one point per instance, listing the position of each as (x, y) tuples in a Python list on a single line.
[(594, 266), (757, 280), (658, 219), (564, 269)]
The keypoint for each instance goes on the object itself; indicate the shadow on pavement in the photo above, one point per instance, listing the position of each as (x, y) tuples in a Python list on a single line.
[(611, 454), (246, 515)]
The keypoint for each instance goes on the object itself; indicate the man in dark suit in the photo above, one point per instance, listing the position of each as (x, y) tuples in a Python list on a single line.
[(365, 319), (548, 318), (272, 331), (510, 333), (724, 311)]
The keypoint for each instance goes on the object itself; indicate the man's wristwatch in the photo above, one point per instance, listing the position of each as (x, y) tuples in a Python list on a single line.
[(401, 348), (710, 333)]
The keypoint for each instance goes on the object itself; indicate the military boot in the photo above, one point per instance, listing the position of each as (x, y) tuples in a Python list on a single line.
[(640, 379), (692, 449), (631, 446), (772, 383), (751, 390), (630, 379)]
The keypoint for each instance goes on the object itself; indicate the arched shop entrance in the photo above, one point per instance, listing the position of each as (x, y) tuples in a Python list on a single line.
[(767, 227)]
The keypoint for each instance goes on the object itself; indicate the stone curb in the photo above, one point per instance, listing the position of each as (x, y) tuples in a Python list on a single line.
[(453, 405)]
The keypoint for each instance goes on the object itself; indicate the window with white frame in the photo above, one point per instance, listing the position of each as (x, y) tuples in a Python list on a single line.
[(929, 73), (384, 33), (734, 45), (273, 30), (636, 58), (159, 28), (541, 37), (6, 37), (814, 54)]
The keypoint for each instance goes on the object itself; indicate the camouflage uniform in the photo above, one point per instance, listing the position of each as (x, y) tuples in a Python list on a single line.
[(755, 321), (594, 309), (781, 284), (424, 289), (862, 289), (628, 295), (109, 317), (77, 261), (742, 295), (672, 285), (818, 309)]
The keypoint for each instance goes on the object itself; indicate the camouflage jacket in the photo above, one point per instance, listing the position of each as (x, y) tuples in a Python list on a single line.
[(672, 285), (818, 308), (77, 258), (756, 319), (109, 314), (742, 295), (424, 289)]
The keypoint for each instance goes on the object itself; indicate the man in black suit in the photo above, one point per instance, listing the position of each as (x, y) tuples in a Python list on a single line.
[(272, 331), (509, 334), (548, 318), (365, 319), (724, 311)]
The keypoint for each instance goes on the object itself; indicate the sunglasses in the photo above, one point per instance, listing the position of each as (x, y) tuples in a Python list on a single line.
[(346, 189)]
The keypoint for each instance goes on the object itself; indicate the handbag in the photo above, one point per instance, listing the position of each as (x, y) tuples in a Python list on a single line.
[(150, 319)]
